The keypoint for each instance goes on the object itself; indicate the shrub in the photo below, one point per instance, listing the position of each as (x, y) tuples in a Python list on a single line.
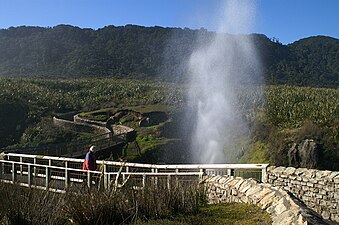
[(89, 206)]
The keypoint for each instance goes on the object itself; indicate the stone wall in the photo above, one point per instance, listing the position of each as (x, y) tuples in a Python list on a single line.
[(129, 133), (319, 190), (79, 119), (74, 122), (80, 127), (284, 209)]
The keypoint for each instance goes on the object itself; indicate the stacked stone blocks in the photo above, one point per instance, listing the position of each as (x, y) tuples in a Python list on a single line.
[(319, 190), (284, 208)]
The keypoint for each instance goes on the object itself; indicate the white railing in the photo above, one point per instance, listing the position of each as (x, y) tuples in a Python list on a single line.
[(59, 173)]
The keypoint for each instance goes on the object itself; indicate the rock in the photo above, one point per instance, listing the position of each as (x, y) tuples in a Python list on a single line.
[(308, 153), (304, 154), (290, 170), (293, 156)]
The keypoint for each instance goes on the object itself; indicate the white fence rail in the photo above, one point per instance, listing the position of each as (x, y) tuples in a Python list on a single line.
[(59, 173)]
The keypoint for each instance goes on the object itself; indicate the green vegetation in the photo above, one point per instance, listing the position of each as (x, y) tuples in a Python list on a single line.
[(288, 106), (148, 52), (184, 203), (289, 114), (24, 102), (292, 114), (256, 153), (231, 213)]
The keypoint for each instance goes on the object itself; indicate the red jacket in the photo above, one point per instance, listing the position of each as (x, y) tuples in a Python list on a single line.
[(89, 163)]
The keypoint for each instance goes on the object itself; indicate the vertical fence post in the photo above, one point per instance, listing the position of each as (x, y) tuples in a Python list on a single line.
[(124, 176), (127, 169), (21, 165), (47, 178), (105, 175), (34, 162), (13, 173), (156, 178), (264, 175), (176, 177), (230, 172), (66, 176), (152, 177), (29, 175), (202, 171), (143, 181), (169, 182), (108, 179), (89, 178)]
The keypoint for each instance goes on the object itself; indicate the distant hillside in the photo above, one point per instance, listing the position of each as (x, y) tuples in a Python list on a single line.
[(138, 52)]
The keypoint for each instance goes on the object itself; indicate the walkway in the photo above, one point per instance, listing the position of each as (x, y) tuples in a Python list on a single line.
[(60, 174)]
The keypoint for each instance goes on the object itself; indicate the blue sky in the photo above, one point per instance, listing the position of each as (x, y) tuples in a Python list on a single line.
[(287, 20)]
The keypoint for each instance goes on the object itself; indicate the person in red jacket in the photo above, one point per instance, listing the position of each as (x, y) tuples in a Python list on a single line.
[(89, 163)]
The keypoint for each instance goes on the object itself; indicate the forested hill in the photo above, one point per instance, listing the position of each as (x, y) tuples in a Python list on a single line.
[(135, 51)]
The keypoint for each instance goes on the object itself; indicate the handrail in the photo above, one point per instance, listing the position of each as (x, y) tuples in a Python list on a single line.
[(101, 172), (150, 166), (259, 171), (31, 175)]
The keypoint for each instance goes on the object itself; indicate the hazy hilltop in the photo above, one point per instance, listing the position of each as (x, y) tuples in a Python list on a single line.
[(148, 52)]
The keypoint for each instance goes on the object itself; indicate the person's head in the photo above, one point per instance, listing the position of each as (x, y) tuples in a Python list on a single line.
[(93, 148)]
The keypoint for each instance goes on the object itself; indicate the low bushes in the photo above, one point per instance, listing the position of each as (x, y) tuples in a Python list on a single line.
[(90, 206)]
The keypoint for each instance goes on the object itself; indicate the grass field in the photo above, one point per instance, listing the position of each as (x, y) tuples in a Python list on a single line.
[(282, 114)]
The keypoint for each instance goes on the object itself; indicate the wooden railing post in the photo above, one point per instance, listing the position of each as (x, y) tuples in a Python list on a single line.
[(169, 182), (152, 177), (123, 175), (34, 162), (264, 175), (143, 181), (156, 178), (20, 166), (108, 180), (105, 175), (29, 175), (176, 178), (202, 171), (13, 173), (47, 178), (67, 178), (230, 172), (89, 178)]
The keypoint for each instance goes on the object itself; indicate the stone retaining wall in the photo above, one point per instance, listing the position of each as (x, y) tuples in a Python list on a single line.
[(79, 119), (129, 133), (319, 190), (81, 127), (75, 122), (284, 209)]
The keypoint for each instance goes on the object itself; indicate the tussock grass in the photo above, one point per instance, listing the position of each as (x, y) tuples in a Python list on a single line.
[(89, 206)]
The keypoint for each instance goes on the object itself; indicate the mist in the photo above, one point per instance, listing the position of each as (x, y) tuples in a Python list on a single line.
[(221, 65)]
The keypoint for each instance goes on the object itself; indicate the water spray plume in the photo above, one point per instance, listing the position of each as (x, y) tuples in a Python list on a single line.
[(217, 67)]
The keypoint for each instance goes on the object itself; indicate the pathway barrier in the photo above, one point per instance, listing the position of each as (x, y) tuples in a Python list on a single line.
[(60, 174)]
